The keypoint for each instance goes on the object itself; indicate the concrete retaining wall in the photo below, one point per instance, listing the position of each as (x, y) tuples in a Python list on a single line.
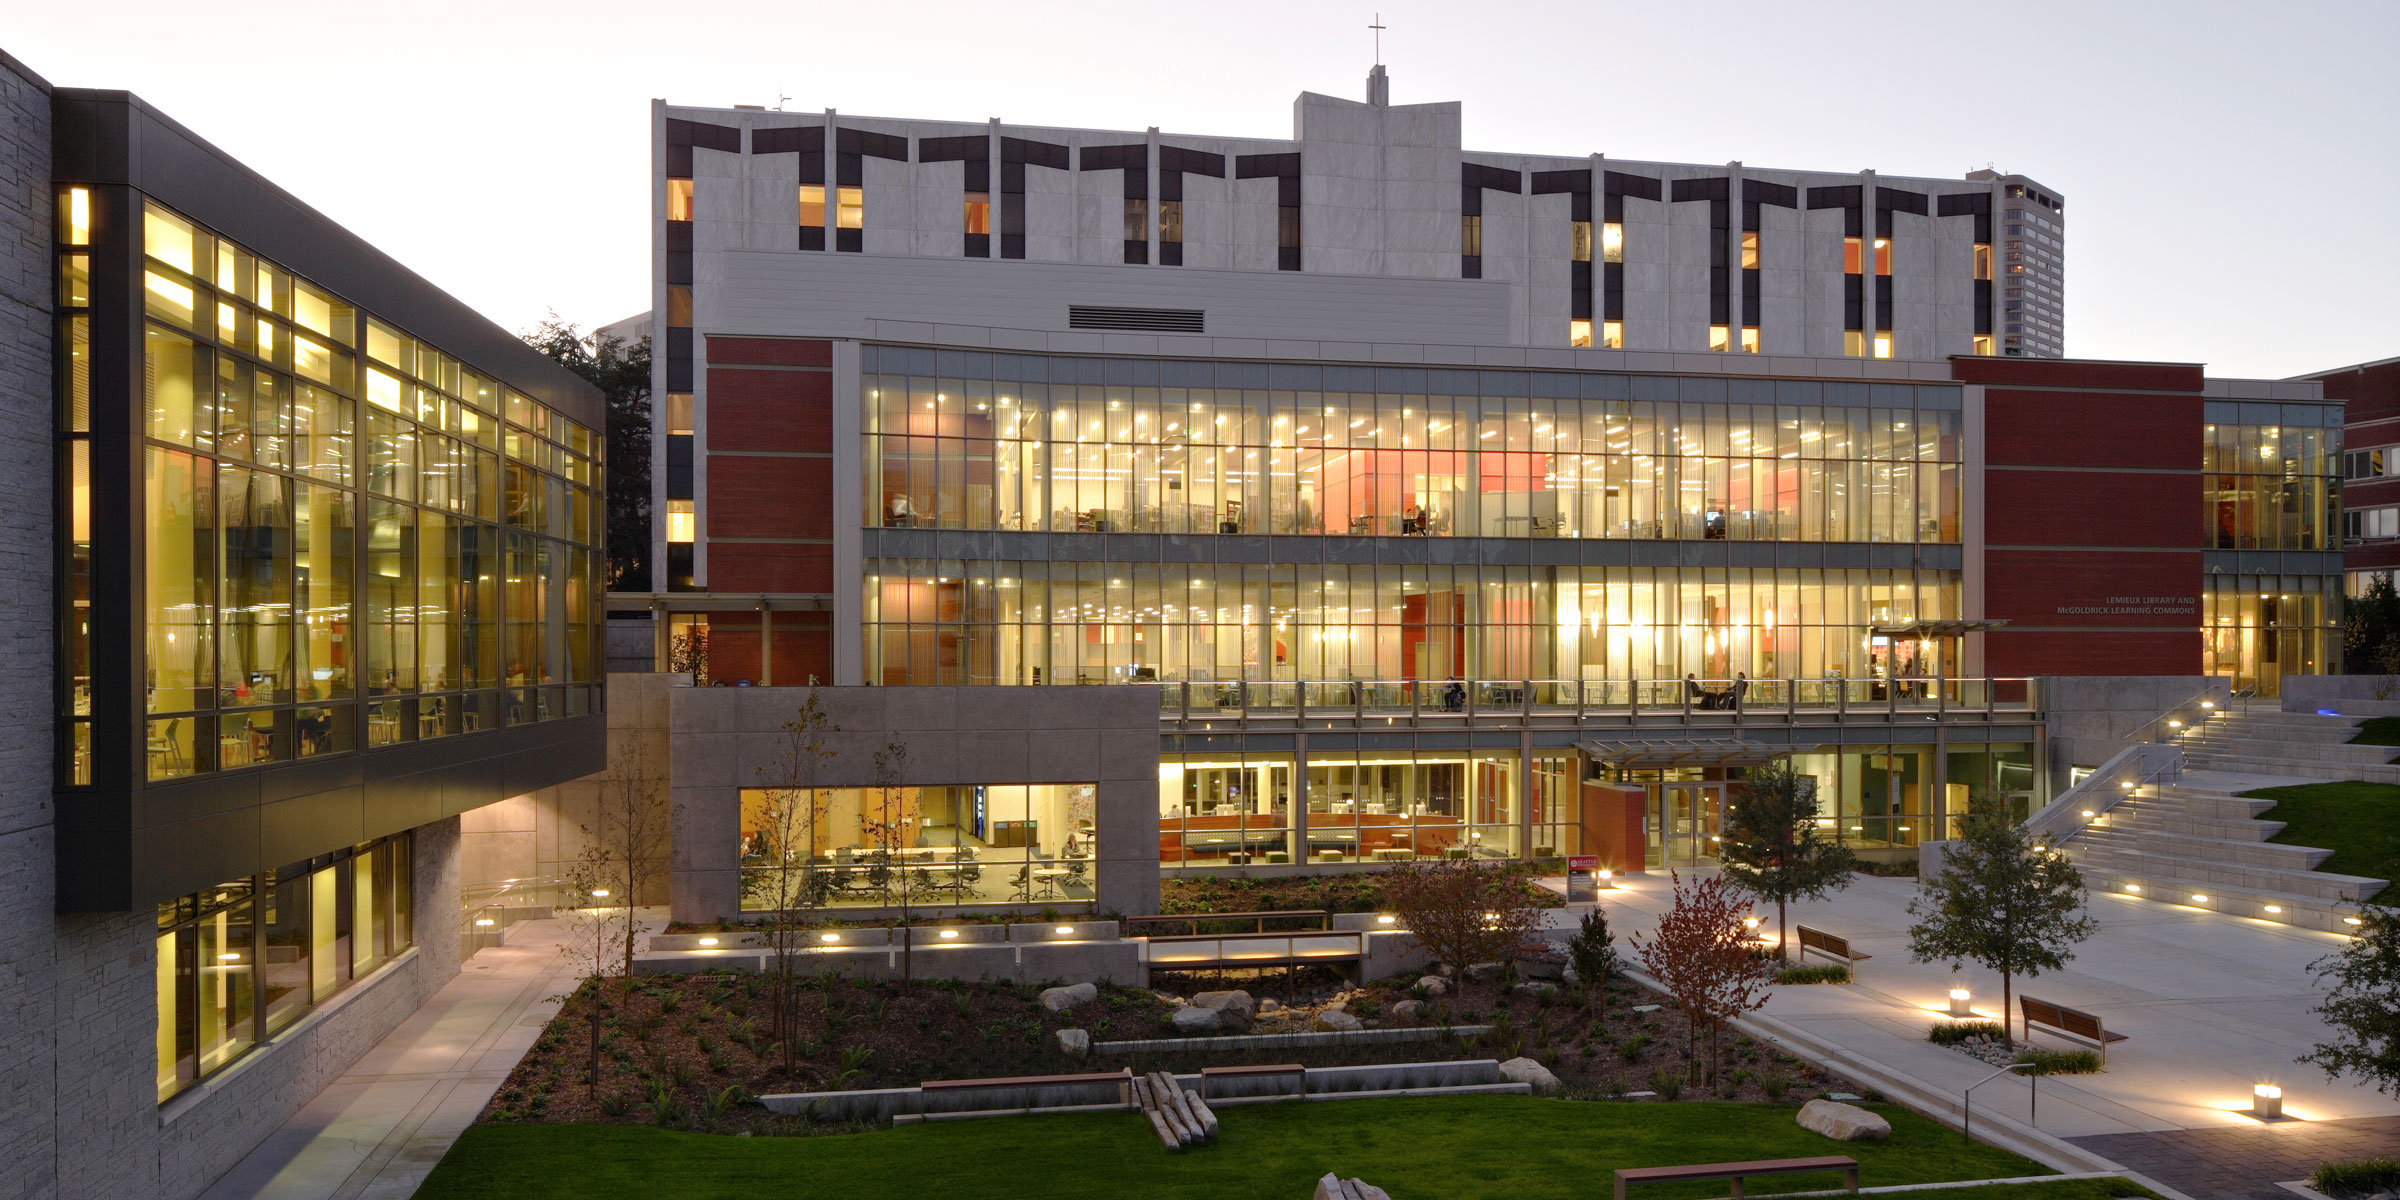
[(2349, 695), (1285, 1041), (884, 1104), (1117, 962)]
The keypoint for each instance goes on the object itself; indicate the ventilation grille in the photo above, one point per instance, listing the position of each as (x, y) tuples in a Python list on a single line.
[(1147, 320)]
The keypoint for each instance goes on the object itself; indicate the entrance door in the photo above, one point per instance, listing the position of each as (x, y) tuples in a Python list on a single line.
[(1689, 817)]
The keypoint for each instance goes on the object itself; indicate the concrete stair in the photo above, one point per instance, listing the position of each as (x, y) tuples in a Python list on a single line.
[(2207, 849), (2303, 745)]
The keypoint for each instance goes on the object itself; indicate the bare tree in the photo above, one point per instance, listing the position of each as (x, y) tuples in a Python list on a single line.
[(1701, 955), (593, 936), (630, 823), (787, 883), (889, 828), (1463, 912)]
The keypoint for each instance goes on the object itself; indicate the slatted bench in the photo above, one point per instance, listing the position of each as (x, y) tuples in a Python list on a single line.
[(1270, 1069), (2069, 1022), (1830, 945), (1737, 1171)]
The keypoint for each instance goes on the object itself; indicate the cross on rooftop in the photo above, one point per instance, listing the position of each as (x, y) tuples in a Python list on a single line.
[(1378, 27)]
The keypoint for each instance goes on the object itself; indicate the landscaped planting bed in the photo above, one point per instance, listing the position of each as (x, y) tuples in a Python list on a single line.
[(686, 1052), (1431, 1148), (1361, 892)]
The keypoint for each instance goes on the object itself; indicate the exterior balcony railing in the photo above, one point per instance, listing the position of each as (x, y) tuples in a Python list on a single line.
[(1692, 701)]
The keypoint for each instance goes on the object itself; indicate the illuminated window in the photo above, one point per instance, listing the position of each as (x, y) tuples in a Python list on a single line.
[(1718, 338), (1750, 340), (679, 199), (1854, 343), (77, 212), (850, 207), (679, 414), (1749, 251), (1137, 219), (679, 521), (1983, 260), (1612, 243), (1851, 259), (1579, 333), (1883, 344), (679, 305), (1582, 232), (1612, 335), (1983, 344), (1470, 236), (812, 205), (1170, 220), (1883, 257), (979, 212)]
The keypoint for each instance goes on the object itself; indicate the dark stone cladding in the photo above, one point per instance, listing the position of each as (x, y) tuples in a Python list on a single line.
[(2271, 562), (990, 546), (114, 138)]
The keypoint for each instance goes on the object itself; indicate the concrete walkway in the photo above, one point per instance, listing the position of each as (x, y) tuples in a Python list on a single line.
[(378, 1130), (2210, 1004)]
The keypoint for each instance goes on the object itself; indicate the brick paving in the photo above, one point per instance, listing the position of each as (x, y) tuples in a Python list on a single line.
[(2244, 1162)]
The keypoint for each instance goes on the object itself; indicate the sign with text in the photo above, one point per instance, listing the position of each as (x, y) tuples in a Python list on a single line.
[(1583, 883)]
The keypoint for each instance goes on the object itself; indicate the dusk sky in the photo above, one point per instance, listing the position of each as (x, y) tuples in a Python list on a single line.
[(2228, 169)]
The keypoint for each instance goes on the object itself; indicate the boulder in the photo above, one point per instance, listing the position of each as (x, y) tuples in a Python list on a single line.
[(1334, 1187), (1407, 1010), (1269, 1005), (1525, 1070), (1334, 1020), (1192, 1018), (1075, 1041), (1483, 971), (1060, 999), (1836, 1120), (1232, 1004), (1434, 985)]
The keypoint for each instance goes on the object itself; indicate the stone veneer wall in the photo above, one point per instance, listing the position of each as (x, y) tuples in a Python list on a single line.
[(1107, 736)]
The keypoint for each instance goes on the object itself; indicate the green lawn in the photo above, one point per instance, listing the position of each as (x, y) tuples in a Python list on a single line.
[(1434, 1148), (2378, 731), (2359, 822)]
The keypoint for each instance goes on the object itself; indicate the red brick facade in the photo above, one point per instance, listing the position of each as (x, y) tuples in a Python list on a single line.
[(767, 520)]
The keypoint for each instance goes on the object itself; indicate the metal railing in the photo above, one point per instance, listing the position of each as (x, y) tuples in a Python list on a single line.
[(1688, 700), (486, 910), (1966, 1099), (2119, 779)]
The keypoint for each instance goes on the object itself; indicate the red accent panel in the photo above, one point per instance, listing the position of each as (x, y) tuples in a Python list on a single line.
[(1611, 820), (770, 352), (2065, 587), (769, 497), (2072, 429), (771, 567), (2081, 508), (2372, 392), (2076, 373), (732, 656), (2164, 652), (770, 410)]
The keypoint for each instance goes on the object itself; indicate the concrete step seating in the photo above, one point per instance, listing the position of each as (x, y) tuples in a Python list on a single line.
[(2264, 746), (2304, 745), (2197, 847)]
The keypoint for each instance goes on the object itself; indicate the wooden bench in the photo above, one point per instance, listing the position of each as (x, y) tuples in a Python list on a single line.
[(1209, 1073), (2071, 1022), (1737, 1171), (1830, 945)]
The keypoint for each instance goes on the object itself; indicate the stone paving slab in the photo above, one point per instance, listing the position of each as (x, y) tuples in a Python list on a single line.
[(2245, 1162)]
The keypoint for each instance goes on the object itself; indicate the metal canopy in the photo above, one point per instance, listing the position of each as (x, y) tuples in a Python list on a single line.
[(1924, 629), (1668, 753)]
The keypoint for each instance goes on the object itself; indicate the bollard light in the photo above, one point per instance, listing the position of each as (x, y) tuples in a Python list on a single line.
[(482, 921), (949, 933), (1608, 878), (708, 941), (829, 938), (1958, 1002), (2266, 1102)]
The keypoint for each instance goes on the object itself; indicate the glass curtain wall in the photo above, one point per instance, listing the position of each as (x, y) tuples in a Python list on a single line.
[(2256, 629), (248, 957), (2273, 473), (873, 847), (966, 622), (336, 515), (970, 440)]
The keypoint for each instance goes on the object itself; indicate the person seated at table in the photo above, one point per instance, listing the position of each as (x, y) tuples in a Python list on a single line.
[(1454, 696), (1411, 518), (902, 512), (1699, 696)]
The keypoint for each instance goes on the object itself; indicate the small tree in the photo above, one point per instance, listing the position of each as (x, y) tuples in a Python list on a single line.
[(1463, 912), (1771, 846), (1702, 956), (687, 654), (792, 814), (889, 830), (2364, 1004), (1594, 953), (2005, 900), (592, 938), (630, 823)]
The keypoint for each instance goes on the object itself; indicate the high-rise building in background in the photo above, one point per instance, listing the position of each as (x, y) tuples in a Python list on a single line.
[(2033, 260)]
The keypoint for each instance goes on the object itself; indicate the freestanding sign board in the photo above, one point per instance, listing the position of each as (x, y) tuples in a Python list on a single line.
[(1583, 886)]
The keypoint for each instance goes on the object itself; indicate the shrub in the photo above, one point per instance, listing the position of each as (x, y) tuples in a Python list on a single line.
[(2061, 1062), (1775, 1084), (1951, 1033), (2358, 1177), (1814, 973), (1632, 1047), (1667, 1082)]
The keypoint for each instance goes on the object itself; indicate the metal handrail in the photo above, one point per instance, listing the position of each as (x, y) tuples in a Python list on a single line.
[(1737, 700), (1259, 920), (2141, 765), (1966, 1099)]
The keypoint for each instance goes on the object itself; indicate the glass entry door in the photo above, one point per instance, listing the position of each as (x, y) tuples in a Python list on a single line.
[(1689, 817)]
